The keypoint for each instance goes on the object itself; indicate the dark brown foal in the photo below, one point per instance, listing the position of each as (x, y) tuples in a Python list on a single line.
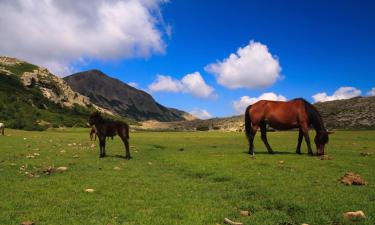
[(105, 128)]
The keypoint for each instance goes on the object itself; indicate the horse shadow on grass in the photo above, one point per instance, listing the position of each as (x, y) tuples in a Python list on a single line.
[(274, 153), (117, 156)]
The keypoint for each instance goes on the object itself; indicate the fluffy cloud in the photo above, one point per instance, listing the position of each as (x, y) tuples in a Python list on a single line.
[(240, 105), (341, 93), (191, 83), (57, 34), (201, 114), (371, 92), (251, 67)]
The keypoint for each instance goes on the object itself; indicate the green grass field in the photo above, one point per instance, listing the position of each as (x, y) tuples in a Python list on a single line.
[(195, 178)]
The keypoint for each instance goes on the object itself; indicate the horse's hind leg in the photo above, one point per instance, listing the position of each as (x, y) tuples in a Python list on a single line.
[(251, 137), (263, 132), (300, 137)]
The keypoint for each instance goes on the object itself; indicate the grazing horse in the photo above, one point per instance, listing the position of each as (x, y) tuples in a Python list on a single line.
[(2, 128), (297, 113), (105, 128)]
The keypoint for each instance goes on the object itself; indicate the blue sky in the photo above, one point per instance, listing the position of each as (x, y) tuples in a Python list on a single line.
[(320, 46)]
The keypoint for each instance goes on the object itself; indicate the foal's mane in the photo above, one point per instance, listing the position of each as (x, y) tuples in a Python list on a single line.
[(315, 119)]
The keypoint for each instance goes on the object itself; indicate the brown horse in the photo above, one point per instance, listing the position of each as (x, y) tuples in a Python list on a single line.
[(105, 128), (297, 113)]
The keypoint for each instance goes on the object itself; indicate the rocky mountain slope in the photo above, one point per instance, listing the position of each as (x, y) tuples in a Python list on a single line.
[(31, 96), (121, 98), (355, 113)]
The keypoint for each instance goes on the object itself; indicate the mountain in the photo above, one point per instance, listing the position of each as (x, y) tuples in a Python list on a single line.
[(354, 113), (33, 98), (114, 95)]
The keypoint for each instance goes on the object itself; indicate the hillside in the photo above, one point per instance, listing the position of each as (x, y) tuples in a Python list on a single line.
[(124, 100), (32, 98), (352, 113), (355, 113)]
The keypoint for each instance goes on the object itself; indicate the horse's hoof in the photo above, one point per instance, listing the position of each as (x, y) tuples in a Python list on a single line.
[(128, 157)]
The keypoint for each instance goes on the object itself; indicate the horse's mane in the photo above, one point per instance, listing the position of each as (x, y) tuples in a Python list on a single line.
[(315, 119)]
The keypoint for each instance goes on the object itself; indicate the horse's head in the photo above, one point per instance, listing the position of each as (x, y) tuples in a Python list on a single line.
[(321, 139), (94, 118)]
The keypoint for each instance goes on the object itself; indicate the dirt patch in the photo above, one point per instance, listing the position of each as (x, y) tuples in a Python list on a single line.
[(351, 178), (325, 157), (365, 154)]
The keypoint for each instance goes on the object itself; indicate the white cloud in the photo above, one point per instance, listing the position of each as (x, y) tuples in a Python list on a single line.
[(166, 84), (251, 67), (240, 105), (133, 84), (192, 83), (56, 34), (341, 93), (201, 114), (371, 92)]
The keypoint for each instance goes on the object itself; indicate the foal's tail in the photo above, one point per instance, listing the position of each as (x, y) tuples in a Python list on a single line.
[(127, 131), (248, 123)]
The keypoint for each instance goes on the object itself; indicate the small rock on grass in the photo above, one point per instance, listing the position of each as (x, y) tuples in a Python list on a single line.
[(62, 168), (244, 213), (228, 221), (28, 222), (89, 190), (353, 215), (116, 168)]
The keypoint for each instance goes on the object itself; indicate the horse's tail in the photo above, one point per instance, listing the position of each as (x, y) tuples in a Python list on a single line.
[(248, 123)]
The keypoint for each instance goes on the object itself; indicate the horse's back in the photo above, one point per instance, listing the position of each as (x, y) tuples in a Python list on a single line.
[(278, 114)]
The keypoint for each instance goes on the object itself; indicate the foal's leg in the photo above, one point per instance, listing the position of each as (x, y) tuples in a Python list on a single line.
[(263, 133), (127, 152), (123, 133), (300, 136), (305, 130), (102, 146)]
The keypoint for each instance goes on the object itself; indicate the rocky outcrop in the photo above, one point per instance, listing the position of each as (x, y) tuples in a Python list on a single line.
[(52, 87)]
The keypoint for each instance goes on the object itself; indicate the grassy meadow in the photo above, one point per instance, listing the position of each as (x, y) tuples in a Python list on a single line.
[(188, 178)]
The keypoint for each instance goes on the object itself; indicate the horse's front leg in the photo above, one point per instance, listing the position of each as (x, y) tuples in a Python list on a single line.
[(305, 131)]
